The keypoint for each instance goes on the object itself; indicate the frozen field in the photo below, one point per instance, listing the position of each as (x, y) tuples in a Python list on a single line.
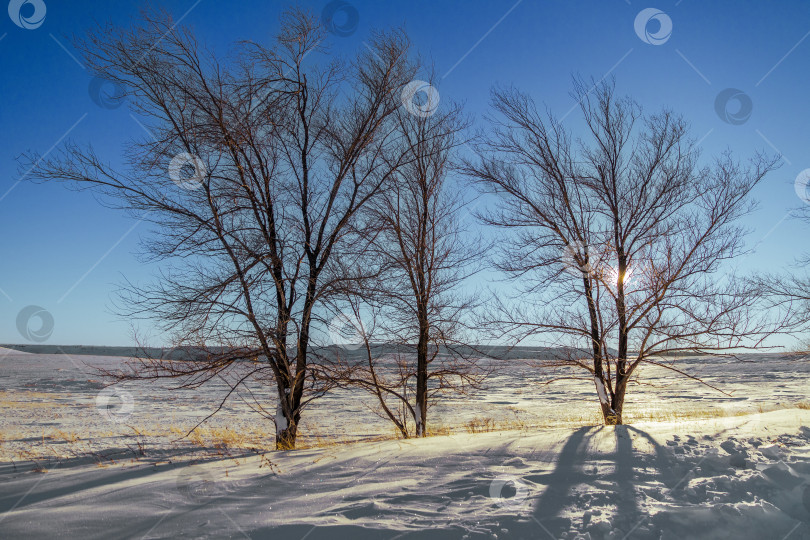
[(57, 404), (710, 466)]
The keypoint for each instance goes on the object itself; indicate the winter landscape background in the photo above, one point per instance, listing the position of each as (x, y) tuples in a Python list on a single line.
[(346, 269)]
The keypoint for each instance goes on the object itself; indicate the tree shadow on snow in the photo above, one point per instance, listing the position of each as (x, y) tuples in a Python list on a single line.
[(587, 478)]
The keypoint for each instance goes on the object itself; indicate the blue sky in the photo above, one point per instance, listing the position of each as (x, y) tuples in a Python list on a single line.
[(63, 251)]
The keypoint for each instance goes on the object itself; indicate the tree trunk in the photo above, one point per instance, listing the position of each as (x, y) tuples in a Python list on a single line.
[(612, 403), (285, 439), (621, 361), (286, 421), (606, 401), (420, 410), (617, 401), (287, 414)]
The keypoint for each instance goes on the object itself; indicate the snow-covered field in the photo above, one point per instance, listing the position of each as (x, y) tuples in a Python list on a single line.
[(710, 466)]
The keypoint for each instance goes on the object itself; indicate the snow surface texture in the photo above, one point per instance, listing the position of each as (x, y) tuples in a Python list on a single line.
[(744, 476), (710, 479)]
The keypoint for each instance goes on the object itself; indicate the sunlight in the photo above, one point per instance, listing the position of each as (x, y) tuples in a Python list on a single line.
[(613, 275)]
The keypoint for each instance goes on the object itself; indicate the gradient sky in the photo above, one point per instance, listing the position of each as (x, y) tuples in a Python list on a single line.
[(63, 251)]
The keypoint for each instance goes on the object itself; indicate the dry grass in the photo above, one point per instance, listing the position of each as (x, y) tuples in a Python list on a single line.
[(68, 437), (704, 413), (480, 425), (522, 421), (313, 437), (227, 438), (25, 399), (438, 430)]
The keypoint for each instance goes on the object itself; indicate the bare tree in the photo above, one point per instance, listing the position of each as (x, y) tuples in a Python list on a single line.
[(422, 254), (618, 240), (257, 165)]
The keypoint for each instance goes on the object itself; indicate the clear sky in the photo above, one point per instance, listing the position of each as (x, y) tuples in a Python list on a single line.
[(63, 251)]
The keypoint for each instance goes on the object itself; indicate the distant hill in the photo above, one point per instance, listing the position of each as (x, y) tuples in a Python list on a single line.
[(350, 353), (100, 350), (353, 353)]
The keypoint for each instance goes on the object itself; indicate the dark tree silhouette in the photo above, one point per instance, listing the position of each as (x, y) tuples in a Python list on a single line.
[(259, 163), (422, 254), (617, 240)]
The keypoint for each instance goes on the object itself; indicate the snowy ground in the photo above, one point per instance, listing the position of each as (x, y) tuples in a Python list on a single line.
[(733, 474)]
